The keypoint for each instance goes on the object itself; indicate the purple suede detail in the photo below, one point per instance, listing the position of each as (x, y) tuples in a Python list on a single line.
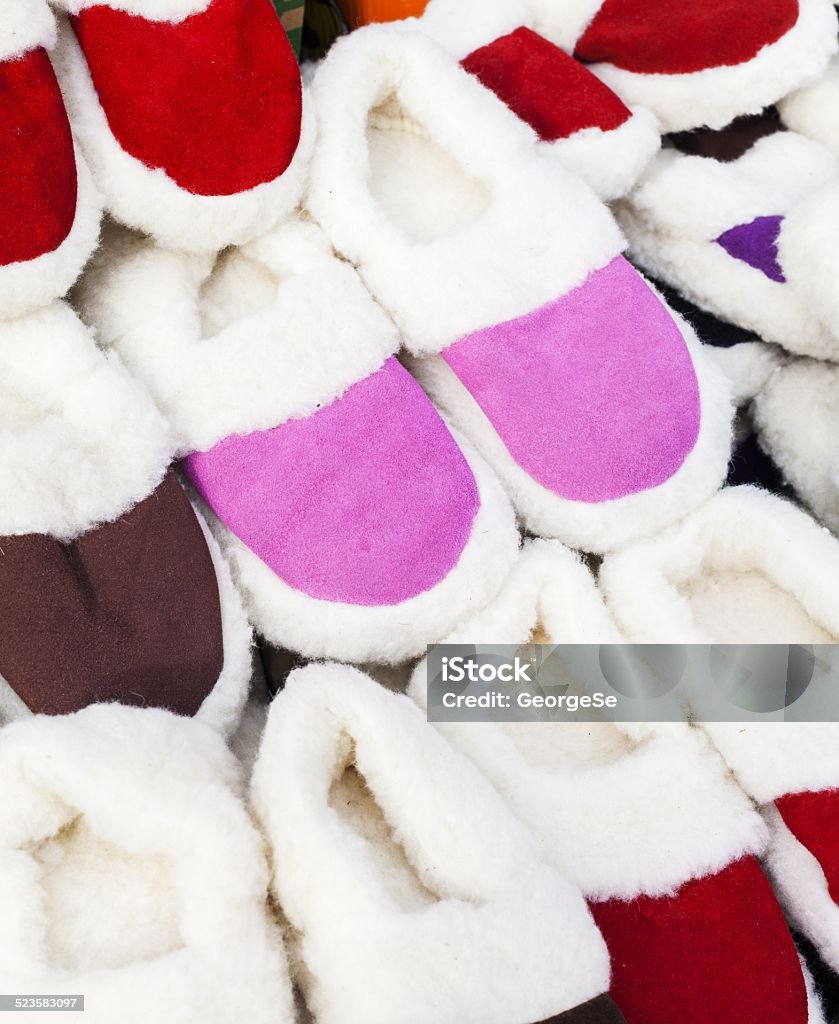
[(756, 243), (594, 394), (369, 501)]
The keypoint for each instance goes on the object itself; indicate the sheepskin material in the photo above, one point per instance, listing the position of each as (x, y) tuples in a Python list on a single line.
[(796, 416), (481, 243), (83, 442), (678, 216), (142, 193), (131, 873), (685, 900), (258, 323), (812, 110), (27, 25), (745, 567), (142, 611), (695, 65), (413, 868), (49, 221), (579, 119)]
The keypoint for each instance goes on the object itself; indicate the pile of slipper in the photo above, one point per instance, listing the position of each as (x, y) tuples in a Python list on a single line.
[(515, 320)]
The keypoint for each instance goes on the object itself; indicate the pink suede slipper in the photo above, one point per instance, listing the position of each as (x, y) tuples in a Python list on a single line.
[(575, 115), (49, 217), (590, 399), (357, 526), (695, 64), (190, 114)]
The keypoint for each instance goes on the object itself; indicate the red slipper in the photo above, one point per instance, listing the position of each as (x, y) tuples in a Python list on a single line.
[(696, 64), (190, 113), (589, 128), (49, 218)]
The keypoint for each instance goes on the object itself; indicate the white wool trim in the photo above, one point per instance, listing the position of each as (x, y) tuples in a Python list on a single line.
[(664, 796), (541, 233), (27, 285), (374, 924), (610, 161), (222, 707), (563, 22), (812, 110), (151, 10), (797, 420), (748, 366), (716, 96), (26, 25), (283, 324), (739, 530), (801, 887), (770, 759), (383, 633), (147, 807), (605, 525), (462, 26), (82, 440), (683, 203), (148, 199)]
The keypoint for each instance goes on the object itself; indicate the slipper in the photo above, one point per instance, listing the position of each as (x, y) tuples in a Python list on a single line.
[(797, 420), (190, 114), (49, 222), (644, 819), (812, 111), (791, 771), (419, 867), (131, 874), (575, 115), (735, 233), (695, 64), (745, 568), (502, 270), (356, 525), (111, 587)]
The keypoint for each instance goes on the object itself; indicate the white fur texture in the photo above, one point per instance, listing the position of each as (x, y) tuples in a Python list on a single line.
[(148, 199), (814, 110), (25, 25), (461, 26), (759, 565), (748, 366), (517, 252), (382, 633), (152, 10), (82, 441), (797, 419), (222, 707), (683, 203), (129, 872), (605, 525), (29, 284), (403, 921), (243, 343), (716, 95), (620, 809)]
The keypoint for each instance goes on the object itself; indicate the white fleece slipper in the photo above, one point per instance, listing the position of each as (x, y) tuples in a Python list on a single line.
[(357, 526), (592, 403), (49, 218), (111, 587), (739, 237), (421, 872), (695, 64), (130, 873), (791, 770), (575, 115), (190, 113), (814, 110), (745, 568), (796, 416), (644, 819)]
